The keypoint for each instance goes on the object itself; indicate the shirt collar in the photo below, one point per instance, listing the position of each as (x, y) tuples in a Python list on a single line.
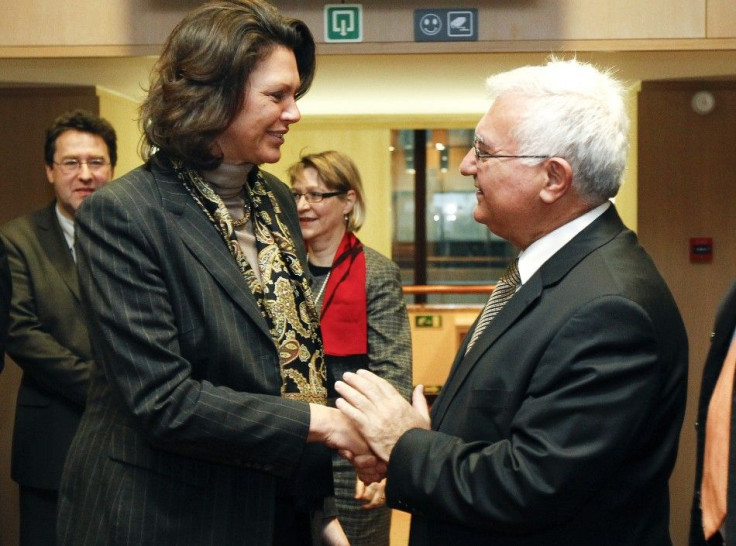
[(67, 226), (541, 250)]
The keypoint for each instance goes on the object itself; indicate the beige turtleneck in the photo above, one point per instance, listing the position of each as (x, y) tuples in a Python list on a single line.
[(228, 181)]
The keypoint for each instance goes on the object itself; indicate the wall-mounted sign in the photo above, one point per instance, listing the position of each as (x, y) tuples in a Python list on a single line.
[(701, 250), (343, 23), (446, 25), (428, 321)]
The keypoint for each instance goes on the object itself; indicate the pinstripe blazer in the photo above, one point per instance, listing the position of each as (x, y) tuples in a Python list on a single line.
[(48, 339), (185, 439)]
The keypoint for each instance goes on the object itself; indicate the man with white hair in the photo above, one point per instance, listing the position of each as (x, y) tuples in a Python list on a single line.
[(560, 418)]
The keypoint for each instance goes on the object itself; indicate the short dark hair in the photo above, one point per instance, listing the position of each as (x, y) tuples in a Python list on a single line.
[(86, 122), (197, 86)]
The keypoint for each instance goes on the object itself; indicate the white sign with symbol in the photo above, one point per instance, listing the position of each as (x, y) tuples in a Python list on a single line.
[(343, 23)]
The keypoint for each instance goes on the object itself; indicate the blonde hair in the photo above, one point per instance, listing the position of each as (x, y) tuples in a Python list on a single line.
[(338, 173)]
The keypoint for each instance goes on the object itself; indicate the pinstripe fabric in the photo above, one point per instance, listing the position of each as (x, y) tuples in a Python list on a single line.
[(505, 288), (389, 355), (185, 439)]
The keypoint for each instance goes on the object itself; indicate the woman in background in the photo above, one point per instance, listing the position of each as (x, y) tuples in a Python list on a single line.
[(363, 317)]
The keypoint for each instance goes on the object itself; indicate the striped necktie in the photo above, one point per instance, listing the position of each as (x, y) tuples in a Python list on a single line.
[(505, 288)]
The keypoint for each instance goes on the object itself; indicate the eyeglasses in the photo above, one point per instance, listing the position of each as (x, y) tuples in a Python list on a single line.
[(72, 165), (316, 196), (483, 155)]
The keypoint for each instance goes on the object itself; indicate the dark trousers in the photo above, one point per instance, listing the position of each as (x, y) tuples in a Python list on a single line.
[(38, 516)]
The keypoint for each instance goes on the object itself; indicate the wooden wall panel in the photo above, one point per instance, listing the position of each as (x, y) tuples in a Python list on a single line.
[(686, 189), (114, 27), (721, 19)]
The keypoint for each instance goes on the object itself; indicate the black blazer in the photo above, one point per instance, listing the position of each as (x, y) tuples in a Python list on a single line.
[(725, 323), (48, 339), (5, 291), (560, 426), (186, 439)]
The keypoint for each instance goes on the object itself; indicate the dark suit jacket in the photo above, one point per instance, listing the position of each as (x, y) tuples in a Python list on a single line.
[(560, 426), (725, 323), (5, 291), (48, 339), (186, 439)]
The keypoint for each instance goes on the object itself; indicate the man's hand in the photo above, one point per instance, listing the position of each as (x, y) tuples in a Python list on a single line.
[(332, 428), (378, 410)]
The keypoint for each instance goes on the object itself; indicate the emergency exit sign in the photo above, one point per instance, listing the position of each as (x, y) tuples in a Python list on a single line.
[(428, 321), (343, 23)]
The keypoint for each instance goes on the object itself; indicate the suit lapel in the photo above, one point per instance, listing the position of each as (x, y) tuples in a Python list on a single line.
[(208, 248), (601, 231), (54, 245), (464, 363)]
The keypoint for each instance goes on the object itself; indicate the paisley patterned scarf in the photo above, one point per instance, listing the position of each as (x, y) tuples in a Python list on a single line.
[(282, 290)]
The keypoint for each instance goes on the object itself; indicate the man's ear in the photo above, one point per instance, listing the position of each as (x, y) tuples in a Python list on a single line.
[(559, 179), (49, 174)]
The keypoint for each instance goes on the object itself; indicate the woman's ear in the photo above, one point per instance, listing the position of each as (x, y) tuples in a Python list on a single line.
[(559, 179), (349, 201)]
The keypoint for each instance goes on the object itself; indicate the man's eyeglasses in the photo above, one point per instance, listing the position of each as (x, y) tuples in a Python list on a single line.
[(483, 155), (316, 196), (72, 165)]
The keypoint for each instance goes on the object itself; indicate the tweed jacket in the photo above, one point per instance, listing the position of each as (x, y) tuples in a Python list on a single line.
[(389, 356)]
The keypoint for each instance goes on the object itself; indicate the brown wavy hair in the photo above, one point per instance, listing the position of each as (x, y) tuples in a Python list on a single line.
[(197, 86)]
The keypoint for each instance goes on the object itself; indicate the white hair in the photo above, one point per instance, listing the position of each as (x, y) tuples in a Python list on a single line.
[(575, 112)]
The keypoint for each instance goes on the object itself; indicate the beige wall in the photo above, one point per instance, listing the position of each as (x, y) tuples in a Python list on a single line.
[(124, 27), (123, 114)]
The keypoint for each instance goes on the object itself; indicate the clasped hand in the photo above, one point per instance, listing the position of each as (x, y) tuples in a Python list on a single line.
[(379, 412)]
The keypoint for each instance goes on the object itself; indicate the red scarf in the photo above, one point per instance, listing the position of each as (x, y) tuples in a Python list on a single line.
[(344, 317)]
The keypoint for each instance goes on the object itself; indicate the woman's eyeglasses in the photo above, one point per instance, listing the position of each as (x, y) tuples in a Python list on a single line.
[(316, 196)]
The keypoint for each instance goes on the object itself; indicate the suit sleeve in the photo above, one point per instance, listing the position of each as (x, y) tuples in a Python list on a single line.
[(5, 293), (587, 405), (30, 342), (389, 337)]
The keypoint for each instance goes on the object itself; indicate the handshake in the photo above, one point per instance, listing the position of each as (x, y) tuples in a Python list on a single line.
[(370, 418)]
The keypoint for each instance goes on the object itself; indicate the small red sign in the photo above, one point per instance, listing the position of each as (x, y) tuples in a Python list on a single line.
[(701, 250)]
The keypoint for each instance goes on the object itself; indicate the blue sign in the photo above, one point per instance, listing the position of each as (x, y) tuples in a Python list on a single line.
[(446, 25)]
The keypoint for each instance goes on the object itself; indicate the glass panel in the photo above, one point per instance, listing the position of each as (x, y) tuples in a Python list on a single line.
[(459, 250)]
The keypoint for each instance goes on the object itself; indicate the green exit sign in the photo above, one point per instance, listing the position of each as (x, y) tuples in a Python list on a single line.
[(343, 23), (428, 321)]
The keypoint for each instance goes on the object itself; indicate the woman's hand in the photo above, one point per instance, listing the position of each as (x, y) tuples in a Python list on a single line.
[(374, 494), (333, 534)]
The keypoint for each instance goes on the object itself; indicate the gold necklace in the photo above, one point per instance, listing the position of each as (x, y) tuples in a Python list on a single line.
[(246, 216)]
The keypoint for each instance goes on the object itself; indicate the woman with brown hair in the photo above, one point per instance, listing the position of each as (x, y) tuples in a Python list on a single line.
[(206, 418)]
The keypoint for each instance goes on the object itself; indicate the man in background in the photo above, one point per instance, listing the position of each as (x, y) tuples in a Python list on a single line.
[(5, 291), (560, 418), (47, 336), (715, 471)]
